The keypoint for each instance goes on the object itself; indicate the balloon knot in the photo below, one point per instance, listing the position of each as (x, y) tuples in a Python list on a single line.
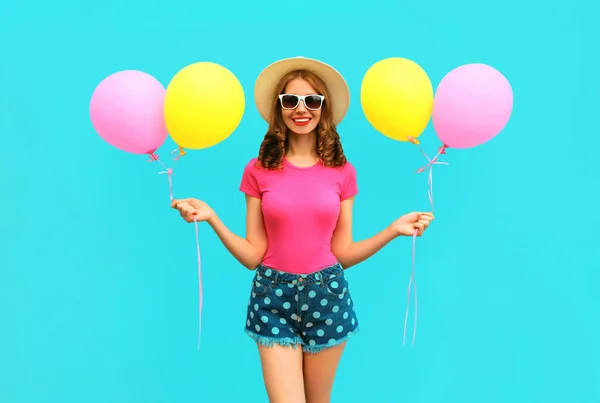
[(433, 161), (413, 140), (177, 153), (153, 157)]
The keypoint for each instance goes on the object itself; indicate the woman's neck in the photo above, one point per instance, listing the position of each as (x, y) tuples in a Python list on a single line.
[(302, 148)]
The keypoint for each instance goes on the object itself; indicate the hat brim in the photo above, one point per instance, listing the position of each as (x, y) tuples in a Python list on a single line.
[(266, 85)]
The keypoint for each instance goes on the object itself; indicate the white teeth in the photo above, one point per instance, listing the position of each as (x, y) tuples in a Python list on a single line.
[(301, 120)]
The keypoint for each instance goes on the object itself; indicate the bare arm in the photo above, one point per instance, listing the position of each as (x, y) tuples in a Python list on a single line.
[(249, 251), (348, 252)]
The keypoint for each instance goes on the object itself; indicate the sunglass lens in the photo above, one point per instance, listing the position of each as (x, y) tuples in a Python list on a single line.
[(313, 102), (289, 101)]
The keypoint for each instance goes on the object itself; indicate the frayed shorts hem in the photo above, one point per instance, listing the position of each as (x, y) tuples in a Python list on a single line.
[(294, 342)]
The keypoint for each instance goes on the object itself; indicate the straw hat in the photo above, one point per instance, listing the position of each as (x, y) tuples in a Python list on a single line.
[(266, 83)]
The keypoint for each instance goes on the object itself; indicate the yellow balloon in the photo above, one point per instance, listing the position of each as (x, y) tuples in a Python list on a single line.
[(204, 104), (397, 98)]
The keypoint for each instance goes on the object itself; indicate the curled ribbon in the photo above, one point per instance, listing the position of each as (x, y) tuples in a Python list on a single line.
[(176, 154), (199, 283), (412, 282), (169, 173), (429, 167)]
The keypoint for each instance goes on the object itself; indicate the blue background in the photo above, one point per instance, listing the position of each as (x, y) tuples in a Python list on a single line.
[(98, 286)]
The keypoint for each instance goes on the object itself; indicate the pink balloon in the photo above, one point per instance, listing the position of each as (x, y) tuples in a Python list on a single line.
[(472, 104), (126, 110)]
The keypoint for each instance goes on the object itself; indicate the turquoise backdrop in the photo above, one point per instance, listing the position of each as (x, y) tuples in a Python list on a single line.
[(98, 284)]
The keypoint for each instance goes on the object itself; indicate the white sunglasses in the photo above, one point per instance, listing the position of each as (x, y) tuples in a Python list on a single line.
[(312, 102)]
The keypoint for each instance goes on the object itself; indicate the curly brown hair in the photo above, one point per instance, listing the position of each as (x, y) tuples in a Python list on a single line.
[(275, 142)]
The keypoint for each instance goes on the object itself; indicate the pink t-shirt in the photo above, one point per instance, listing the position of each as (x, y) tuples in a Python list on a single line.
[(300, 208)]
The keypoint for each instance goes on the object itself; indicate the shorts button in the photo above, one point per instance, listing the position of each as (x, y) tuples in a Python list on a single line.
[(301, 279)]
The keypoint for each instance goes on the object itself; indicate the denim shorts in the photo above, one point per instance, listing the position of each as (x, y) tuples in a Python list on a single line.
[(312, 310)]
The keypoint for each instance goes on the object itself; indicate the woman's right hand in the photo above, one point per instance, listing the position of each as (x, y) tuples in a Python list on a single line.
[(193, 209)]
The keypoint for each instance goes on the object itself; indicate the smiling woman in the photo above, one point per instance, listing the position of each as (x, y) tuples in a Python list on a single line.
[(304, 107), (299, 197)]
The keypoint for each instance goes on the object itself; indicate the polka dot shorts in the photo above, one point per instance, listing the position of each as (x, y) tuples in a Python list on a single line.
[(312, 310)]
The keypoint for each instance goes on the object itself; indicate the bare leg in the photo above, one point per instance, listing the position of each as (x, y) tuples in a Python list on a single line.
[(282, 372), (319, 373)]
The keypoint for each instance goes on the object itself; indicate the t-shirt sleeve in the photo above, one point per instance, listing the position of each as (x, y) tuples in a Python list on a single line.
[(349, 184), (249, 183)]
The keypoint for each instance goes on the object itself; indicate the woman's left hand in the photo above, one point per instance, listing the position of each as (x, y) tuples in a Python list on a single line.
[(408, 223)]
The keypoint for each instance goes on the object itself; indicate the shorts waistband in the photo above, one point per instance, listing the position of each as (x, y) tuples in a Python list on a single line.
[(277, 276)]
